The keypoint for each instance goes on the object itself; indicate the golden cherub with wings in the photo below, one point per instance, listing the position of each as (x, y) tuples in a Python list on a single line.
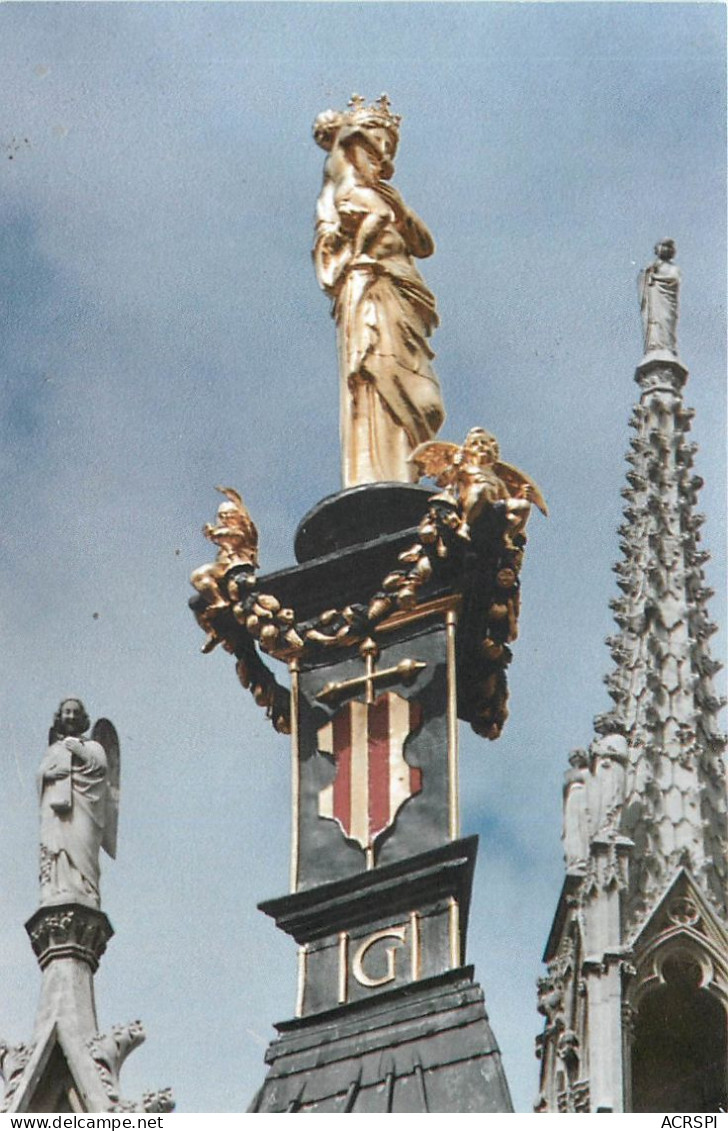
[(236, 536), (474, 477)]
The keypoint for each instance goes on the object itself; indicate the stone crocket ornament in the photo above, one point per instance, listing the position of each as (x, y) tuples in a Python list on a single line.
[(78, 783)]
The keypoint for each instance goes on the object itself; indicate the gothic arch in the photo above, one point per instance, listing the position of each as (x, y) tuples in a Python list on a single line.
[(679, 1027)]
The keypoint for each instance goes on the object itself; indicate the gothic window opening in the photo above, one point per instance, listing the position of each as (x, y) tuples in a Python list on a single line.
[(680, 1049)]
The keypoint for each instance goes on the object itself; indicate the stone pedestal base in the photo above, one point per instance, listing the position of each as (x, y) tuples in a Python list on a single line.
[(387, 1017), (69, 930)]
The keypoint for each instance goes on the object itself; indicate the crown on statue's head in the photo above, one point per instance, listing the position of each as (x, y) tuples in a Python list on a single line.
[(378, 111)]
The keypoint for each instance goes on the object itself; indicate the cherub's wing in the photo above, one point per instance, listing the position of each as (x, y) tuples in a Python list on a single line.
[(435, 458), (243, 518), (242, 522), (520, 484), (234, 497), (104, 732)]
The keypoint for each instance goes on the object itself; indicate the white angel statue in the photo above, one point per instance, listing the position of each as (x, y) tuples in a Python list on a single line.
[(78, 783)]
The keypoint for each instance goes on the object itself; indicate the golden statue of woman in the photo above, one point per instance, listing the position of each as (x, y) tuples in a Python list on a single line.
[(366, 238)]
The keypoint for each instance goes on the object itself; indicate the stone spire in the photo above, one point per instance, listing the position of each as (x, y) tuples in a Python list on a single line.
[(661, 685), (637, 958), (69, 1065)]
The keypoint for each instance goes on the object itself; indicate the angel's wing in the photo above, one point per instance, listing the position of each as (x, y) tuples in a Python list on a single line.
[(435, 458), (104, 732), (241, 524), (243, 520), (233, 495), (518, 483)]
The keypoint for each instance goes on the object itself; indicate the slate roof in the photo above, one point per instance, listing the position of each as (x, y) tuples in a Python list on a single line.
[(427, 1047)]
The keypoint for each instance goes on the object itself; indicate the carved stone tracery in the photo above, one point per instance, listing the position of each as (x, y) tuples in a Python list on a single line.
[(683, 912), (13, 1062), (71, 931), (551, 1000)]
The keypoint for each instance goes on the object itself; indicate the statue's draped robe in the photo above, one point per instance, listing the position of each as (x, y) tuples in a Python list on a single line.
[(390, 396), (659, 287), (575, 834), (608, 791), (72, 818)]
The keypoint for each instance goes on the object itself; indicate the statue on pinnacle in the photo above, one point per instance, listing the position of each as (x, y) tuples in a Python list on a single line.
[(659, 288), (364, 250), (78, 783), (69, 1065)]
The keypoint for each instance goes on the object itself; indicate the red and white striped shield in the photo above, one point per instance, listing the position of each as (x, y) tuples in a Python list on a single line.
[(373, 780)]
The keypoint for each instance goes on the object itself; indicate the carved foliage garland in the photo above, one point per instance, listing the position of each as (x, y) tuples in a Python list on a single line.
[(248, 621)]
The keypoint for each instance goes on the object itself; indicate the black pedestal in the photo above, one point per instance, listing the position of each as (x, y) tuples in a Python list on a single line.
[(390, 1020)]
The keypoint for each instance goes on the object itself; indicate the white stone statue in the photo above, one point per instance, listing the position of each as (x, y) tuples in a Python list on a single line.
[(78, 782), (659, 288), (575, 833), (366, 238), (608, 784)]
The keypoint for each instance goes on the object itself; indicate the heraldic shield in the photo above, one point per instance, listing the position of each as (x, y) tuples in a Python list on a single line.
[(373, 780)]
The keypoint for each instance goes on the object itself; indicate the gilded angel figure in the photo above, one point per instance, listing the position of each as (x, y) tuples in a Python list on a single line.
[(236, 536), (474, 477)]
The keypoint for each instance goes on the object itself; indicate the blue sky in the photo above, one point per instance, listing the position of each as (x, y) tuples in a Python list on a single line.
[(161, 331)]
